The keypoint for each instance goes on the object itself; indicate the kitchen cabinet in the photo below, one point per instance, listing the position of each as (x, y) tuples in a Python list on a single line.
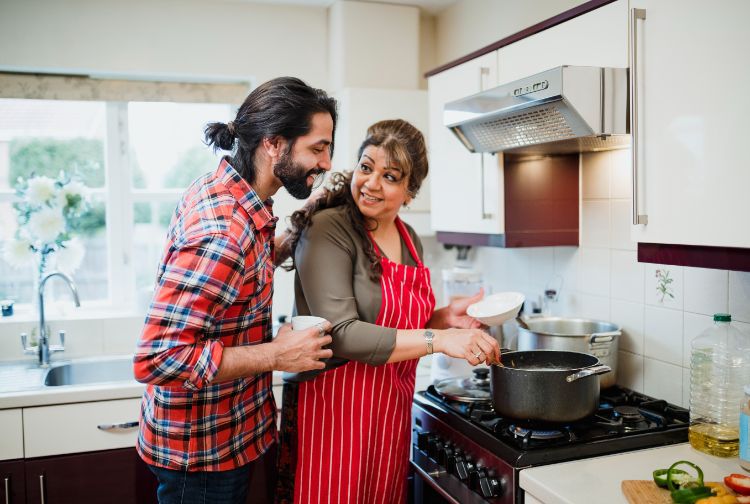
[(597, 38), (80, 427), (97, 477), (690, 177), (11, 441), (14, 485), (465, 187)]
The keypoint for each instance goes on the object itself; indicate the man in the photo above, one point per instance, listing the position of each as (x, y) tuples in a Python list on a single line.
[(208, 416)]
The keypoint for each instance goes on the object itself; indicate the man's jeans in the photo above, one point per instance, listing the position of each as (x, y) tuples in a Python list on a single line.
[(230, 487)]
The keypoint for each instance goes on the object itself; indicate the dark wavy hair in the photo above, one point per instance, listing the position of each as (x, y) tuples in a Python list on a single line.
[(280, 107), (405, 147)]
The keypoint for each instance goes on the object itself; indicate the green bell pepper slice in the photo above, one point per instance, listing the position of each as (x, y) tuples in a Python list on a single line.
[(679, 477), (671, 474), (690, 495)]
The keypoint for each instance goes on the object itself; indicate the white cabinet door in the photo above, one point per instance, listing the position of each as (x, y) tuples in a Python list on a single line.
[(693, 127), (465, 188), (80, 427), (11, 434), (597, 38)]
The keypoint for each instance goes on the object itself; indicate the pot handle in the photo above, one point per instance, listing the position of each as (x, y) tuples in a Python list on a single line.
[(589, 371), (603, 337), (521, 322)]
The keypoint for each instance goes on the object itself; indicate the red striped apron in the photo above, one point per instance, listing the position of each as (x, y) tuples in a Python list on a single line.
[(354, 421)]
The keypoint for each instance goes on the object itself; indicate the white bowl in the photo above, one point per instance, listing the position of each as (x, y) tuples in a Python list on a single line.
[(496, 308)]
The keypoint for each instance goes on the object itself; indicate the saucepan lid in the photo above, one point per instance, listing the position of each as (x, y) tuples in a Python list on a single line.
[(474, 388)]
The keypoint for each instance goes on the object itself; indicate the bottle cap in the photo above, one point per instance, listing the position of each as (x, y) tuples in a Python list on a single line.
[(722, 317)]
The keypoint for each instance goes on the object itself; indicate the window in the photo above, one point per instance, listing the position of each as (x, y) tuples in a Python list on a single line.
[(44, 137), (164, 159), (136, 157)]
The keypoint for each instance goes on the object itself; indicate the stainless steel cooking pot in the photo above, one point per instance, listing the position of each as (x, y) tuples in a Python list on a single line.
[(594, 337), (546, 385)]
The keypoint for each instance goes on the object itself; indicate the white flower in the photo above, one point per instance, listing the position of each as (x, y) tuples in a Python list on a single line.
[(69, 255), (47, 224), (18, 253), (40, 190), (71, 192)]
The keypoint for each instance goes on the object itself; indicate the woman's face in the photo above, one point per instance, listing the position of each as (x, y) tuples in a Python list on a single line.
[(379, 189)]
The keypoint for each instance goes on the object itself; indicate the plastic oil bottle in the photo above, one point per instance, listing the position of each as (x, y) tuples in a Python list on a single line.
[(719, 371)]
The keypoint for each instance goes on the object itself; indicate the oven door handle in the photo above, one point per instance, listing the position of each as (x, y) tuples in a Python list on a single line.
[(431, 481)]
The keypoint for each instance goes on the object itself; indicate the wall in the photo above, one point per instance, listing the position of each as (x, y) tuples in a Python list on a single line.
[(603, 280), (471, 24), (180, 39)]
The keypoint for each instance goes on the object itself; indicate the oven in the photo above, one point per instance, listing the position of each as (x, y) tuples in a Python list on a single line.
[(463, 452)]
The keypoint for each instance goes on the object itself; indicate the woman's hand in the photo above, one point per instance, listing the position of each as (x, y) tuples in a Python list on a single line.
[(455, 312), (474, 345)]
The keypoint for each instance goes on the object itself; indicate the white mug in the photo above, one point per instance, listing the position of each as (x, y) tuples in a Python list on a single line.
[(306, 321)]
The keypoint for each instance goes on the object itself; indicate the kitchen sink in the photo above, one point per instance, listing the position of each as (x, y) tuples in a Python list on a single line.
[(90, 372)]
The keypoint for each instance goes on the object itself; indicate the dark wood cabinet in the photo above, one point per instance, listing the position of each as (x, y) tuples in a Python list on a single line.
[(540, 202), (13, 482), (90, 478)]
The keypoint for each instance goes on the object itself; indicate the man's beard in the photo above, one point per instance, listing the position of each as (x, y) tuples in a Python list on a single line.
[(294, 176)]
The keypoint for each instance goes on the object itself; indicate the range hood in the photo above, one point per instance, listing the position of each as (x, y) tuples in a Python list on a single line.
[(563, 110)]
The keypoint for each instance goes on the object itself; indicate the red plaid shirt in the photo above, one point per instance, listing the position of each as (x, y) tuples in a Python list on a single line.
[(215, 284)]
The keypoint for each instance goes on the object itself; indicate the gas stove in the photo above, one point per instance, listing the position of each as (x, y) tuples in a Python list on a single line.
[(466, 453)]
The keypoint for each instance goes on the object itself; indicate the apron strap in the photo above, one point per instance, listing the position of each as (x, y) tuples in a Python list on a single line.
[(405, 236), (407, 239)]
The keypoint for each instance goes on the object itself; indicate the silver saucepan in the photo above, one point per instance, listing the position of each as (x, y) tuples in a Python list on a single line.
[(546, 385), (595, 337)]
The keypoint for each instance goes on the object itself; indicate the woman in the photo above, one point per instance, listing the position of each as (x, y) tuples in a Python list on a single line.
[(359, 266)]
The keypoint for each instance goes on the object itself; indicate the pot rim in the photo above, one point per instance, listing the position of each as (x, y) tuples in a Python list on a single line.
[(531, 321), (542, 370)]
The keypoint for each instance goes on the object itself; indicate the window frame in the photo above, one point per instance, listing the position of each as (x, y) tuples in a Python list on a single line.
[(119, 197)]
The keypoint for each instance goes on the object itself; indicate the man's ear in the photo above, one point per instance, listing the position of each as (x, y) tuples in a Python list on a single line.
[(274, 147)]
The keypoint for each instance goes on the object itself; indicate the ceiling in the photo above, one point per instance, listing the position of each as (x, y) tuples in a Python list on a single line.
[(430, 6)]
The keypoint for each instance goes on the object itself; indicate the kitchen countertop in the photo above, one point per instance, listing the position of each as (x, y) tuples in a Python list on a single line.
[(598, 479), (21, 386)]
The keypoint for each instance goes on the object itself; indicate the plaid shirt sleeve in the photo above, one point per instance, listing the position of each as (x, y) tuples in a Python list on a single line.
[(199, 281)]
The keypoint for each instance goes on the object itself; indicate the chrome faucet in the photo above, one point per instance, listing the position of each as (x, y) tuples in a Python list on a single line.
[(43, 348)]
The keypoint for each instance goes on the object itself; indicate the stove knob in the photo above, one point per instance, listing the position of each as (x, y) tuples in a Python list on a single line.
[(445, 454), (422, 439), (461, 468), (489, 487), (470, 464), (475, 475), (450, 460), (433, 445)]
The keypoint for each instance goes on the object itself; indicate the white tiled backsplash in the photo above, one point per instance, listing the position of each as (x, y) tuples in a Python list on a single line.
[(602, 279)]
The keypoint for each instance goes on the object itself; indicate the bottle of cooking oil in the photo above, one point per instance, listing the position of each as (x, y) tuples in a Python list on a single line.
[(719, 370)]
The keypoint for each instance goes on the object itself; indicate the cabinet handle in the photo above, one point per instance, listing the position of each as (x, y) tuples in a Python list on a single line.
[(483, 71), (118, 426), (7, 490), (41, 488), (635, 15), (485, 214)]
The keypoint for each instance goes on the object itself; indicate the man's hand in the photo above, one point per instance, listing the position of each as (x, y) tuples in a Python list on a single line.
[(297, 351)]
